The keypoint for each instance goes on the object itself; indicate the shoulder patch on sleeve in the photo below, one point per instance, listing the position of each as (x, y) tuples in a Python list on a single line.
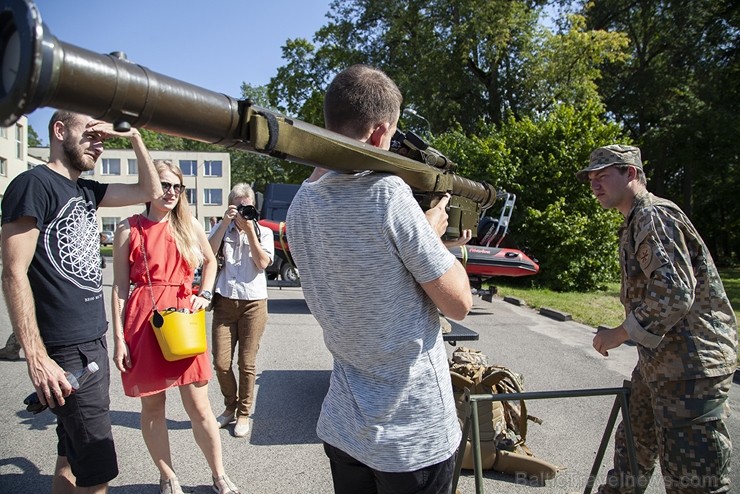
[(650, 256)]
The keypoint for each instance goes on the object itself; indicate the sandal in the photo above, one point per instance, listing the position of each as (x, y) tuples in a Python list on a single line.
[(170, 486), (224, 485)]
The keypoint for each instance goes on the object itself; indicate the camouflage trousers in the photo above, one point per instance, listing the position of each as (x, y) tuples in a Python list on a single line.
[(681, 425)]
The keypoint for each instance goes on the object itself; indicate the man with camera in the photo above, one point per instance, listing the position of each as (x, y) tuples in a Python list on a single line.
[(239, 302)]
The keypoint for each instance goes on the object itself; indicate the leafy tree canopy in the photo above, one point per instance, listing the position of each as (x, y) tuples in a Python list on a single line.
[(33, 138), (456, 61)]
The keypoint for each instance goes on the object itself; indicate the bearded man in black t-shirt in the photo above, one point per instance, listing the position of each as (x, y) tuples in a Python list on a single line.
[(52, 283)]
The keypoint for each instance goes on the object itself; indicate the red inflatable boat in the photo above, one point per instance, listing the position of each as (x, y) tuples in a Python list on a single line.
[(486, 262)]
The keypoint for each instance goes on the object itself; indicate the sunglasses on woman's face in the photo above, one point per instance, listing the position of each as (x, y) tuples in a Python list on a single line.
[(178, 188)]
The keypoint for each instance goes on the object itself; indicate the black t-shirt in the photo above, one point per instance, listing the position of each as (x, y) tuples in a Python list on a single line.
[(65, 273)]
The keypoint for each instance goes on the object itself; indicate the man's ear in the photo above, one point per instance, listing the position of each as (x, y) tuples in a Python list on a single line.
[(378, 133), (632, 173), (58, 130)]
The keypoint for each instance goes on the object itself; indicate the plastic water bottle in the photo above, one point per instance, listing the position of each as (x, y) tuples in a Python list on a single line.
[(75, 379), (78, 378)]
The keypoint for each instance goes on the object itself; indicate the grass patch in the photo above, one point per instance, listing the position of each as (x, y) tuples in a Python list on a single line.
[(602, 307), (106, 250), (731, 280), (593, 308)]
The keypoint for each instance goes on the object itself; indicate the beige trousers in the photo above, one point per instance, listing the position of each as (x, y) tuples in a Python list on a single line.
[(237, 322)]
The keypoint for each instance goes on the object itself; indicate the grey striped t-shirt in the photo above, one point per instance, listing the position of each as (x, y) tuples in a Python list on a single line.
[(362, 245)]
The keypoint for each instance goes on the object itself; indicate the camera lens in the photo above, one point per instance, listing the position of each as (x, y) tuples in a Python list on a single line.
[(247, 211)]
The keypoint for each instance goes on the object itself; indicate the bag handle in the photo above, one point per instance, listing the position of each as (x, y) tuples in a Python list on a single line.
[(157, 319), (501, 376)]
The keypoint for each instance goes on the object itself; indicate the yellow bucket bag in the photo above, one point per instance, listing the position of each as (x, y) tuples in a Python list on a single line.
[(180, 335)]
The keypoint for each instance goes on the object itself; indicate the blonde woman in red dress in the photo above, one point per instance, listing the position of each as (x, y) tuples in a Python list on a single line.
[(175, 244)]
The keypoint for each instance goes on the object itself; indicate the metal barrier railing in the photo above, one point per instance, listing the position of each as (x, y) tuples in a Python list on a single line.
[(621, 402)]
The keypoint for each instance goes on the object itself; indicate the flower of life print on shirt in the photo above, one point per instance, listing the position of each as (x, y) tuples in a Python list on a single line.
[(72, 244)]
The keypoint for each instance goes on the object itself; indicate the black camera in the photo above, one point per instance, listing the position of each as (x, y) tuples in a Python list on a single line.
[(248, 212)]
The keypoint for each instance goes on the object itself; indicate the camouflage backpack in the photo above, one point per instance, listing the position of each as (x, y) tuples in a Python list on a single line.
[(503, 424)]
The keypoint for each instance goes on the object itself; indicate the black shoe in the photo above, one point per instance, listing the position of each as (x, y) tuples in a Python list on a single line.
[(10, 354)]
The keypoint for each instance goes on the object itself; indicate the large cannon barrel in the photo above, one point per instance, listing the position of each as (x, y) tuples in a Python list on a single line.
[(39, 70)]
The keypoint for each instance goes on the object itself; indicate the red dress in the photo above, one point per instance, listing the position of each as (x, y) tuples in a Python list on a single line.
[(172, 281)]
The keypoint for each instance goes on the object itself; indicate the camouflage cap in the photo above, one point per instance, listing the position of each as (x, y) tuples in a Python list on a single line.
[(614, 154)]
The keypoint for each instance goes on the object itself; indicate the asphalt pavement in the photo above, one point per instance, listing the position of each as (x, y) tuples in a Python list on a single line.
[(282, 453)]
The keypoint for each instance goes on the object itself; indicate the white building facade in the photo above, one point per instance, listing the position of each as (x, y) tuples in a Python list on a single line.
[(206, 176), (14, 158)]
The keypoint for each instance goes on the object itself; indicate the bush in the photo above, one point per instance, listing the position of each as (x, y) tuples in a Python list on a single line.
[(557, 218)]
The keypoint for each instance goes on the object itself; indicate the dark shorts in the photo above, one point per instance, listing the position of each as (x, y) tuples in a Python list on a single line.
[(350, 476), (83, 423)]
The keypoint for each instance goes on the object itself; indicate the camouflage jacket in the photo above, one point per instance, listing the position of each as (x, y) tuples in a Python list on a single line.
[(676, 307)]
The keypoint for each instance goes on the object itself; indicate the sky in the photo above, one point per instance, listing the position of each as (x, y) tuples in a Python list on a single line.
[(214, 44)]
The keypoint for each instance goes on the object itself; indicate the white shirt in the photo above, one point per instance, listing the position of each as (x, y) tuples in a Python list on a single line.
[(239, 278)]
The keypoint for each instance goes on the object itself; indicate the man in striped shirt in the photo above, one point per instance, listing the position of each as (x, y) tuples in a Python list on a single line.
[(375, 273)]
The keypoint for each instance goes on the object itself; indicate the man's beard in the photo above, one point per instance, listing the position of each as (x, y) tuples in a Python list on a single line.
[(76, 156)]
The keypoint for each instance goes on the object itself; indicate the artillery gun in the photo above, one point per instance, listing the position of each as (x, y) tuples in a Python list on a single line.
[(40, 70)]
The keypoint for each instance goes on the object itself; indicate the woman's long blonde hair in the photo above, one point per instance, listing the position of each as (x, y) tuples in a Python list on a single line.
[(181, 220)]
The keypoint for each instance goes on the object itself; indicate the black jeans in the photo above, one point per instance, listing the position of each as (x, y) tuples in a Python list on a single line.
[(353, 477)]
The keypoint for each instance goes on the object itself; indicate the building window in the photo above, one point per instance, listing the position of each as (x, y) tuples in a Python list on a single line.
[(19, 142), (4, 132), (88, 173), (189, 167), (133, 167), (3, 167), (111, 166), (110, 222), (212, 197), (210, 222), (212, 168), (190, 194)]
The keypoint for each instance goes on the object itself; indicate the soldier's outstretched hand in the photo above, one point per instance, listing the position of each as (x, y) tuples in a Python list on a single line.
[(606, 339)]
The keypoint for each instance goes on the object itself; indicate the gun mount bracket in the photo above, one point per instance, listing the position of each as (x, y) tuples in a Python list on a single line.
[(121, 126)]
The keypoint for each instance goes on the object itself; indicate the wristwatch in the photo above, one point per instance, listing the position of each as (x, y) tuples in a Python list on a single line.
[(206, 295)]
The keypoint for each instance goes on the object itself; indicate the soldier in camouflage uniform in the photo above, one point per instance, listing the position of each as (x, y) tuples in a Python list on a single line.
[(678, 314)]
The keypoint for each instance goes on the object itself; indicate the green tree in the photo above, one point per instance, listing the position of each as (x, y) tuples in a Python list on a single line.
[(297, 88), (456, 61), (33, 138), (446, 55), (678, 97)]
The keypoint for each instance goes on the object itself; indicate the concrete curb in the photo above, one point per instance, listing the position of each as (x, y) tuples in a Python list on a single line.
[(555, 314), (515, 301)]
